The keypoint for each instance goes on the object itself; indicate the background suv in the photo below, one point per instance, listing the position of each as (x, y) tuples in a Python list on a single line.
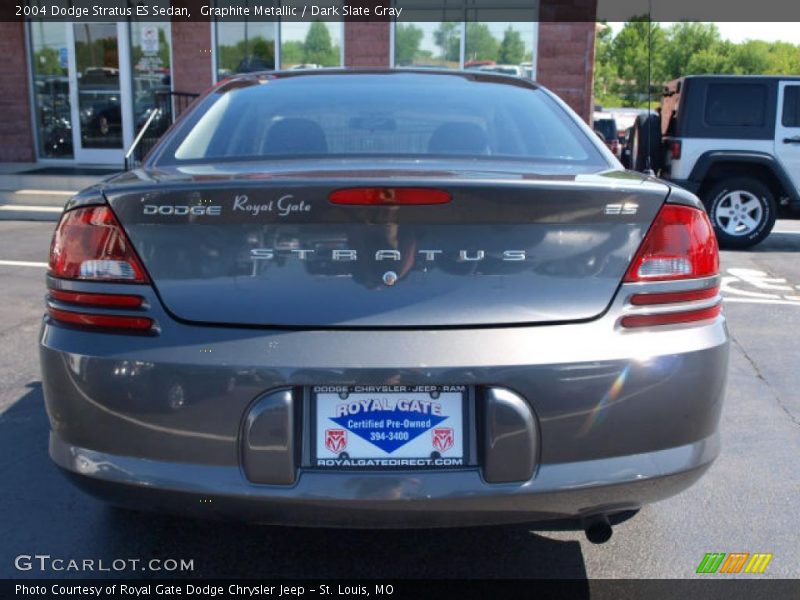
[(734, 141)]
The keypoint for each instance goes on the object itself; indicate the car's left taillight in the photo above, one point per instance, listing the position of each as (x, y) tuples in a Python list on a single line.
[(681, 249), (89, 245)]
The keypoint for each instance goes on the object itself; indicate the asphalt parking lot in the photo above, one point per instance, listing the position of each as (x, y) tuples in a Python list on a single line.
[(746, 503)]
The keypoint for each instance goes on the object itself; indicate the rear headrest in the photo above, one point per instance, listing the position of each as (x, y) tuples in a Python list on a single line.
[(458, 138), (295, 136)]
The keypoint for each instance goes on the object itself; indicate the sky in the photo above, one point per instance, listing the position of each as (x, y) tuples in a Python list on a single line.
[(739, 32)]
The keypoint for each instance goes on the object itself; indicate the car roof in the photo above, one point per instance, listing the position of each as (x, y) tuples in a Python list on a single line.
[(466, 74)]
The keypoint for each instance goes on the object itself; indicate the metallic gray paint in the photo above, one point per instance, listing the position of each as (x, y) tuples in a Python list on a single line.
[(203, 269), (111, 396), (375, 500), (577, 415)]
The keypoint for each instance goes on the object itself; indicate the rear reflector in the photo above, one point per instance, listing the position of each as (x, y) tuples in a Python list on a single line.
[(673, 297), (389, 196), (89, 244), (101, 300), (672, 318), (675, 149), (680, 245), (101, 321)]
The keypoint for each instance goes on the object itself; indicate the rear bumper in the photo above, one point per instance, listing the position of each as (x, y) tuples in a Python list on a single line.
[(620, 418), (571, 491)]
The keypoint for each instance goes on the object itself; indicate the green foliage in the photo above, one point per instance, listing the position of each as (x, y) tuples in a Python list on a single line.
[(512, 48), (291, 52), (407, 38), (684, 41), (231, 57), (637, 40), (448, 38), (480, 43), (318, 48), (686, 48), (46, 62)]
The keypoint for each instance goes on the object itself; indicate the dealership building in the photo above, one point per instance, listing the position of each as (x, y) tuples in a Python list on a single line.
[(77, 92)]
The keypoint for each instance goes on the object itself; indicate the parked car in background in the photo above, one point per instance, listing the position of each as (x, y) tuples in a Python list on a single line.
[(734, 141), (606, 124), (514, 70)]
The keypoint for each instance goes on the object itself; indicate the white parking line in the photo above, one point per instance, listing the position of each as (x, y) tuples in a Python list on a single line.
[(728, 300), (787, 232), (22, 263), (771, 290), (27, 208), (45, 193)]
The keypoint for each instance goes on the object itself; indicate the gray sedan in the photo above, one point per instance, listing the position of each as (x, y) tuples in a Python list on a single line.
[(384, 299)]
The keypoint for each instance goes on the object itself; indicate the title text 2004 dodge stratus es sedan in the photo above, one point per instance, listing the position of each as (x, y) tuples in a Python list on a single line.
[(377, 298)]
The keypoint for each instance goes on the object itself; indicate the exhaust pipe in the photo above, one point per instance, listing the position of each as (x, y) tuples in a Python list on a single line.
[(598, 530)]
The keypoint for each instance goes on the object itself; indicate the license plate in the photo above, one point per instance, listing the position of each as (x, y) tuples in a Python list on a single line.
[(389, 427)]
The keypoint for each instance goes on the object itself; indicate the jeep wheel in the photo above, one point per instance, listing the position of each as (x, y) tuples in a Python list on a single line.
[(742, 211)]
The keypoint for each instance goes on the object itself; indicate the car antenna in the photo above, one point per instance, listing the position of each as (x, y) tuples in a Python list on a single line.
[(649, 162)]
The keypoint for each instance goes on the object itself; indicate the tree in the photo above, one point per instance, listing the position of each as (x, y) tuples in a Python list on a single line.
[(46, 61), (605, 72), (448, 38), (638, 52), (717, 59), (621, 62), (407, 39), (292, 52), (512, 48), (683, 41), (784, 59), (480, 43), (318, 48)]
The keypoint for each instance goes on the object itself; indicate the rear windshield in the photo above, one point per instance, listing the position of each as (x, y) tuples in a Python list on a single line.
[(392, 115)]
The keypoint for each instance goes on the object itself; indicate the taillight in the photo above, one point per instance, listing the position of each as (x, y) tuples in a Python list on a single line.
[(672, 318), (680, 245), (97, 300), (89, 244), (389, 196), (650, 299), (120, 322), (675, 149)]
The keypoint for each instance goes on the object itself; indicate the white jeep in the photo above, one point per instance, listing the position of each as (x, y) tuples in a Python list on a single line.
[(734, 141)]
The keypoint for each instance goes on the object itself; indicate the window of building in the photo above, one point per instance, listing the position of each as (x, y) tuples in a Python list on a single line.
[(49, 69), (246, 46), (458, 38), (150, 67), (311, 44), (434, 43)]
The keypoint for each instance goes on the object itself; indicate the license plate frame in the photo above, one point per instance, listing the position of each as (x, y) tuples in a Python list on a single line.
[(320, 458)]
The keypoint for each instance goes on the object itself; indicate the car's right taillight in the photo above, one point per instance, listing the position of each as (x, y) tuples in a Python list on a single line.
[(90, 245), (680, 245)]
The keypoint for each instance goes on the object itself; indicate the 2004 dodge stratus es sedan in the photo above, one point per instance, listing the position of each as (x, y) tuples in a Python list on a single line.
[(384, 299)]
